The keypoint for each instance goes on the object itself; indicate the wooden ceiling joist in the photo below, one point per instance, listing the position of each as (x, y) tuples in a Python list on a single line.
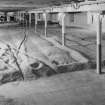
[(74, 7)]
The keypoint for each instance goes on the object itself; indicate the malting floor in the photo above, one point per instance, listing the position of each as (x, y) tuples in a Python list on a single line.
[(74, 88)]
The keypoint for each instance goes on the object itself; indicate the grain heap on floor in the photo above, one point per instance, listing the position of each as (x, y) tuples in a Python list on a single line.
[(35, 58)]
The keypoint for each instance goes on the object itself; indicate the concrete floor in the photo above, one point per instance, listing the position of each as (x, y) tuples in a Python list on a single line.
[(75, 88)]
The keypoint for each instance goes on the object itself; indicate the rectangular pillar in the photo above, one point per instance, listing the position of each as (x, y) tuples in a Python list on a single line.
[(45, 25), (29, 19), (23, 19), (63, 29), (99, 49), (16, 16), (19, 17), (8, 18), (36, 21)]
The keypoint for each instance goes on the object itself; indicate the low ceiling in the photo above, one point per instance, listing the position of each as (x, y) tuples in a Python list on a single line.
[(14, 5)]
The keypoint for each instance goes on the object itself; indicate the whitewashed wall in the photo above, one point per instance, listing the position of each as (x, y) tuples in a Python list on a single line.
[(75, 19), (80, 18), (40, 17), (92, 20), (52, 17)]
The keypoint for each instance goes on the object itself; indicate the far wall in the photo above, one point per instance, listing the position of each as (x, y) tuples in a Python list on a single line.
[(92, 20), (75, 19)]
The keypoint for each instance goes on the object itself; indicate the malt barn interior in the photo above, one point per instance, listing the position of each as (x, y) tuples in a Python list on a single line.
[(52, 52)]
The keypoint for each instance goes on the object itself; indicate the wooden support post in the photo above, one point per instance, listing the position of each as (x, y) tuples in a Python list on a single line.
[(99, 50), (63, 28), (23, 19), (36, 21), (45, 19), (29, 19), (8, 18), (16, 16), (19, 17), (26, 21)]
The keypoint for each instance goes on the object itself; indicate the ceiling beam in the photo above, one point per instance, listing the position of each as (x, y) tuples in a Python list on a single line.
[(74, 7)]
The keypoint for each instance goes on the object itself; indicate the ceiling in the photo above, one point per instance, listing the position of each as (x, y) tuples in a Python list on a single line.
[(14, 5)]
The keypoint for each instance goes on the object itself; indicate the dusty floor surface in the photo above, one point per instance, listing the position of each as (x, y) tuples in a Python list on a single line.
[(77, 88), (74, 88)]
